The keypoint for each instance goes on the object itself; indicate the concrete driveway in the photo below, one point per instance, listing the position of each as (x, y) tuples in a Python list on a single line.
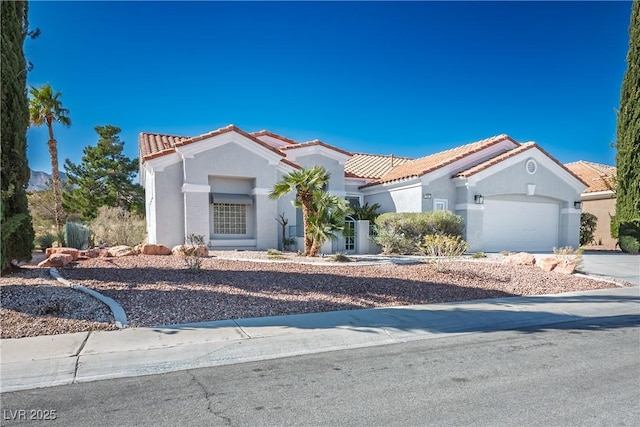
[(612, 264)]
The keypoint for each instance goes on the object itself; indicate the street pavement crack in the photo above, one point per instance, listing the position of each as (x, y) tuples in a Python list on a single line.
[(208, 395)]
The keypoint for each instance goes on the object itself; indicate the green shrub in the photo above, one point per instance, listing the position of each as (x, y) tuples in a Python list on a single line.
[(117, 226), (629, 244), (45, 241), (191, 252), (402, 233), (338, 257), (479, 255), (588, 222), (438, 245), (77, 235), (273, 252), (629, 236)]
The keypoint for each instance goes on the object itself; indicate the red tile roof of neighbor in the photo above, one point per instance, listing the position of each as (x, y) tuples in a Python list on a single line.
[(597, 176), (372, 166)]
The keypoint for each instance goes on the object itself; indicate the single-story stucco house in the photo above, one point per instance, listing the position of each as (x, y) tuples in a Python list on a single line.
[(599, 198), (512, 196)]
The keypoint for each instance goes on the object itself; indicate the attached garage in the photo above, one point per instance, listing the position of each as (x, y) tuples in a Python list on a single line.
[(519, 226)]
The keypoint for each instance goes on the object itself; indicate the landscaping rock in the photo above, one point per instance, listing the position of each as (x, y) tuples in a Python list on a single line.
[(122, 250), (151, 249), (201, 251), (565, 267), (521, 258), (70, 251), (548, 264), (57, 260), (90, 253)]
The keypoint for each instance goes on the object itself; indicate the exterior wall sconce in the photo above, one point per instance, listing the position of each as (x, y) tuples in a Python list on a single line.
[(479, 199), (427, 195), (577, 205)]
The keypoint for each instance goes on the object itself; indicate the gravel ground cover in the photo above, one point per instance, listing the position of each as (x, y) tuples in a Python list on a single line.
[(159, 290)]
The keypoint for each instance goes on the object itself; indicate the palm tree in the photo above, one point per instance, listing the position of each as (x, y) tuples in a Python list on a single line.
[(327, 218), (45, 108), (304, 182)]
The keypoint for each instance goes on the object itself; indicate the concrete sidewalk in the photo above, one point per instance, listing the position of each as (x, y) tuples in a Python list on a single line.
[(64, 359)]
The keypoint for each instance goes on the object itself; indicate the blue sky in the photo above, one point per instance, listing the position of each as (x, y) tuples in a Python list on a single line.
[(408, 78)]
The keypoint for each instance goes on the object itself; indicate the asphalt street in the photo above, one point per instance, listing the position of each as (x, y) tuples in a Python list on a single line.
[(579, 373)]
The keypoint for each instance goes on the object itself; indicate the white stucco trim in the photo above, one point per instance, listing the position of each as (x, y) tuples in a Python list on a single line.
[(539, 157), (234, 242), (570, 211), (191, 150), (468, 207), (195, 188), (598, 195), (392, 186), (160, 163), (308, 150)]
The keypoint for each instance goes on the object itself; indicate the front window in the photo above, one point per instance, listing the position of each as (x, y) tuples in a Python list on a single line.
[(440, 204), (229, 218)]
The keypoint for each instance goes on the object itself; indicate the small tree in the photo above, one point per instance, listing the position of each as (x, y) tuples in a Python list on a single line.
[(588, 223), (327, 219)]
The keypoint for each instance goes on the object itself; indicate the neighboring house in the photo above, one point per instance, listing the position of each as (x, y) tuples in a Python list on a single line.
[(512, 196), (599, 198)]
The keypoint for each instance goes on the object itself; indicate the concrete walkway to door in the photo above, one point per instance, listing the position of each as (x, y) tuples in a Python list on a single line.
[(617, 265)]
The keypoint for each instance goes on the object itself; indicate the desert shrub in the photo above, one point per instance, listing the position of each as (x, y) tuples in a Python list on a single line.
[(191, 252), (338, 257), (588, 222), (629, 236), (479, 255), (77, 235), (117, 226), (439, 245), (45, 241), (569, 254), (272, 251), (402, 233)]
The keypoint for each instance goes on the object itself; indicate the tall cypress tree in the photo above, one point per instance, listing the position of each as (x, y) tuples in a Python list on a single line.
[(628, 131), (17, 230)]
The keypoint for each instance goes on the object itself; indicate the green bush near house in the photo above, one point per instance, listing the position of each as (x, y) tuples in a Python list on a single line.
[(629, 236), (403, 233), (588, 222), (45, 241)]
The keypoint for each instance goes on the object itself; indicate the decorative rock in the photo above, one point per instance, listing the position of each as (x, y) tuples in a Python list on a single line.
[(90, 253), (548, 264), (151, 249), (71, 251), (565, 267), (57, 260), (521, 258), (201, 251), (122, 250)]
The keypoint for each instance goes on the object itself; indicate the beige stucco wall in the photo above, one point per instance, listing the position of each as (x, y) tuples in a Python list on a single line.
[(603, 209)]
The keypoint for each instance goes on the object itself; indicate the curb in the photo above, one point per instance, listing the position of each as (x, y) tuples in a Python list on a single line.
[(118, 312)]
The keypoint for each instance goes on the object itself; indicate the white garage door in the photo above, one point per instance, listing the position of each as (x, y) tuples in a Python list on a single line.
[(519, 226)]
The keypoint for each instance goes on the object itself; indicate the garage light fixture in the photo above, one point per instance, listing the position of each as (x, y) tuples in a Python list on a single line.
[(478, 199), (427, 195), (577, 205)]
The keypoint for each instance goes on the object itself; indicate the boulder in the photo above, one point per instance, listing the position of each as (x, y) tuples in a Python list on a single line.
[(565, 266), (151, 249), (548, 264), (122, 250), (521, 258), (200, 251), (70, 251), (90, 253), (56, 260)]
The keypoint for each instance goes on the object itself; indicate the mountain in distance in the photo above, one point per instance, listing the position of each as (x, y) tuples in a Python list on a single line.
[(38, 180)]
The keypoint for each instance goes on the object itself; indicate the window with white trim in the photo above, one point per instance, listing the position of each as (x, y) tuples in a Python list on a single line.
[(229, 218), (440, 204)]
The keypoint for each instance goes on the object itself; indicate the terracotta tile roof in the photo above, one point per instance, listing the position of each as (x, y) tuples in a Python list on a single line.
[(495, 160), (265, 132), (372, 166), (152, 146), (315, 142), (424, 165), (597, 176)]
